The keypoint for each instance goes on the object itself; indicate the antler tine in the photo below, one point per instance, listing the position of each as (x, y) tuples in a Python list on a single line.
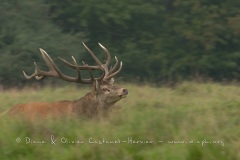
[(114, 67), (78, 71), (53, 69), (39, 74), (93, 55), (111, 73), (107, 54), (79, 74), (67, 63), (35, 74), (115, 73), (92, 80), (84, 67)]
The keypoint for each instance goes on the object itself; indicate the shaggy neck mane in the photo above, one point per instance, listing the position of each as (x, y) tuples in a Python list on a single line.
[(89, 105)]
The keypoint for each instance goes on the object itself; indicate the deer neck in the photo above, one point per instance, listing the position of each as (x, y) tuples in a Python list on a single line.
[(89, 105)]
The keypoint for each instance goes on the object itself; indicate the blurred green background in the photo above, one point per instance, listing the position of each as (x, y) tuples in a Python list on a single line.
[(161, 42), (157, 40)]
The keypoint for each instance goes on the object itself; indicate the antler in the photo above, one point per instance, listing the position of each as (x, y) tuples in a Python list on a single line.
[(54, 71), (108, 73)]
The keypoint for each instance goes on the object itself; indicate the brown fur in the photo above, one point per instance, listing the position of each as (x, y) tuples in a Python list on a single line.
[(101, 99), (103, 96)]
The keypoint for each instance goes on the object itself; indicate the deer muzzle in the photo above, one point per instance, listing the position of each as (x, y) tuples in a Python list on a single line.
[(124, 93)]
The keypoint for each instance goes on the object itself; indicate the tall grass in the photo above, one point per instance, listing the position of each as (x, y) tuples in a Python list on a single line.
[(190, 122)]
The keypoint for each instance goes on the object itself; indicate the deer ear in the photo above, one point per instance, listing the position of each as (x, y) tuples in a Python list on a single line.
[(111, 81), (96, 86)]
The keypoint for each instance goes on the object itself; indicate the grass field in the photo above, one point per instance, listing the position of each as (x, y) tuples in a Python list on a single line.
[(189, 122)]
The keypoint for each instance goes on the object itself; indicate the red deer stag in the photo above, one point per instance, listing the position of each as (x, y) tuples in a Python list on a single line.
[(101, 99)]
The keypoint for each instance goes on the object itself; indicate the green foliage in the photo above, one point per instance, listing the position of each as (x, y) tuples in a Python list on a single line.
[(191, 112), (159, 41), (25, 27)]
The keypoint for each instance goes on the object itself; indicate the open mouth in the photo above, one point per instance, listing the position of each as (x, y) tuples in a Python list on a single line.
[(122, 96)]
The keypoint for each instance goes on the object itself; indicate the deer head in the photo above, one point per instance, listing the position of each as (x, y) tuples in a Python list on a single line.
[(103, 88)]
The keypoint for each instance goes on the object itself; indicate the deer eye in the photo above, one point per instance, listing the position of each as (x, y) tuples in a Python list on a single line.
[(106, 89)]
